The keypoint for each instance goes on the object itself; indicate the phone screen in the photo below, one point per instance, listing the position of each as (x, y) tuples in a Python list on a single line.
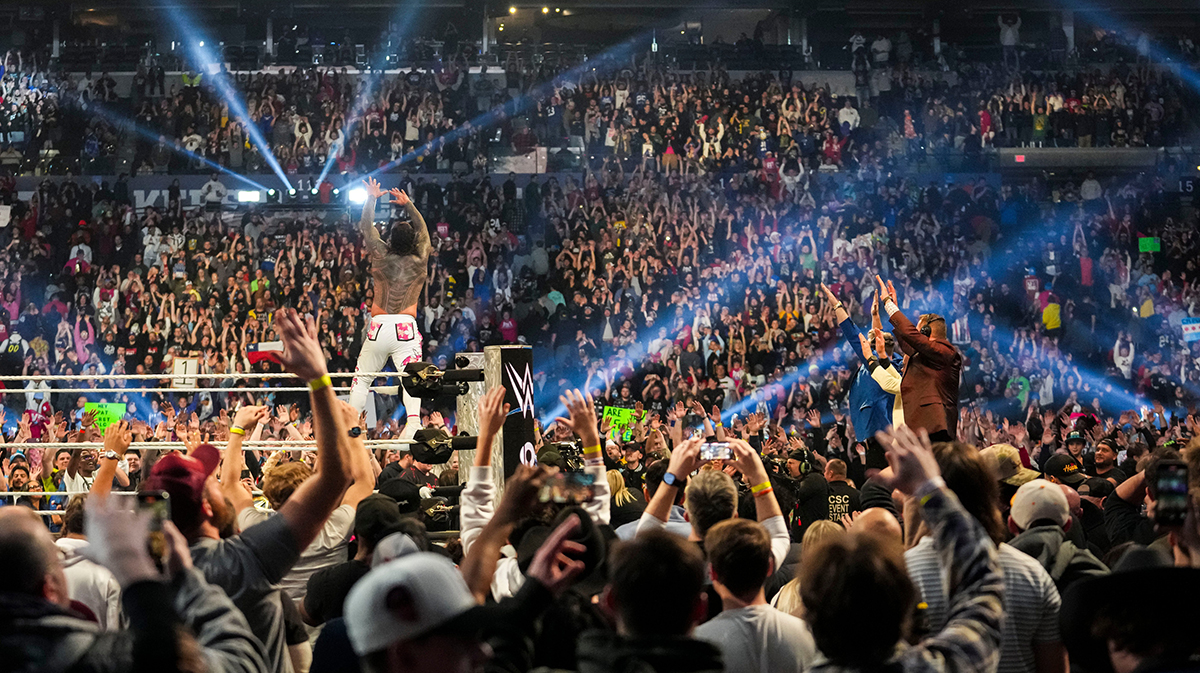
[(715, 451), (568, 487), (158, 504), (1170, 508)]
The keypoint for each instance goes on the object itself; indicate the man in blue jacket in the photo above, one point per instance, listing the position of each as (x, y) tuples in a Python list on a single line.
[(870, 405)]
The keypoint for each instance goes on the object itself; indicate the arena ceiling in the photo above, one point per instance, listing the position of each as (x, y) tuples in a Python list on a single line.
[(291, 7)]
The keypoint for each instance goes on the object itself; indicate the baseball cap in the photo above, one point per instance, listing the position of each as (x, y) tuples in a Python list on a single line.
[(412, 596), (1096, 487), (184, 476), (1064, 468), (1037, 500), (1006, 462), (549, 457), (393, 546), (376, 514), (595, 540), (1076, 436)]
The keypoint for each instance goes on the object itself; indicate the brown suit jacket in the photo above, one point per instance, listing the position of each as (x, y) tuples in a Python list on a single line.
[(929, 386)]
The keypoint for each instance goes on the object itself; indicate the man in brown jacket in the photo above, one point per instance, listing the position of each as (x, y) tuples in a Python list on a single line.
[(929, 387)]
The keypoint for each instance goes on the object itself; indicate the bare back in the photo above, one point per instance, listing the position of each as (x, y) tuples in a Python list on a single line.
[(399, 279)]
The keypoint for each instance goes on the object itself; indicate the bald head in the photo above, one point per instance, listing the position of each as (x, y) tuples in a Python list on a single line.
[(28, 558), (879, 521), (1074, 501)]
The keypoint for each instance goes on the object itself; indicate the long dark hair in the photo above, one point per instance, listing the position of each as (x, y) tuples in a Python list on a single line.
[(974, 481)]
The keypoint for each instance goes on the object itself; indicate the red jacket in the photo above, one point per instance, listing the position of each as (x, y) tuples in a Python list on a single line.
[(929, 386)]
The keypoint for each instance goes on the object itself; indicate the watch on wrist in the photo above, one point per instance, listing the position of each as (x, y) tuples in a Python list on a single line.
[(355, 431), (670, 479), (111, 455)]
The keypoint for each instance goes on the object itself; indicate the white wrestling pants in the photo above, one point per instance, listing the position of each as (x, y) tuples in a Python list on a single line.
[(392, 336)]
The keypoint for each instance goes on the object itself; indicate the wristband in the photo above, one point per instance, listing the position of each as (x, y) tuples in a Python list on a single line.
[(236, 430), (837, 306), (758, 490), (764, 492), (595, 448), (927, 490), (320, 383)]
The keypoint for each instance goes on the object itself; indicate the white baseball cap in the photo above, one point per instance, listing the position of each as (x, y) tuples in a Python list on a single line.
[(1039, 500), (392, 547), (410, 597)]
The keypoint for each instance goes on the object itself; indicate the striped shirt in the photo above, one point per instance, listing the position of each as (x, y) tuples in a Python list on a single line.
[(1031, 602), (967, 640)]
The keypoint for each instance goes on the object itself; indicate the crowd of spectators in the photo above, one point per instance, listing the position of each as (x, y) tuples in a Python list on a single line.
[(686, 286), (636, 110)]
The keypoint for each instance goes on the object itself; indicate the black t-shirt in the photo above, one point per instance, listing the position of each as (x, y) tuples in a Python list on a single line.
[(635, 479), (327, 589), (843, 499)]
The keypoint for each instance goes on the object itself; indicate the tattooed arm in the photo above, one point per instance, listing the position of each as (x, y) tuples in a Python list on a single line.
[(418, 222), (376, 248)]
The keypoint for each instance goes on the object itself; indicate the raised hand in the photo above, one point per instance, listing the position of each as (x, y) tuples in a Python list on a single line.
[(302, 354), (865, 346), (520, 493), (191, 439), (685, 459), (553, 565), (492, 412), (886, 290), (249, 416), (910, 456), (118, 540), (746, 460), (399, 197), (117, 438), (582, 416), (373, 189), (829, 296)]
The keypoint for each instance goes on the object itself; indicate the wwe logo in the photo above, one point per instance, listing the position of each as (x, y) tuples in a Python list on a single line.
[(522, 387)]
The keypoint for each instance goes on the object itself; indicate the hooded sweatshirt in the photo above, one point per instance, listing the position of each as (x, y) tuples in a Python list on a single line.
[(91, 584), (1065, 562)]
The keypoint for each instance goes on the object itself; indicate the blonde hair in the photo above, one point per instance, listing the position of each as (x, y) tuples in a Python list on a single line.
[(710, 498), (788, 600), (621, 494), (283, 480)]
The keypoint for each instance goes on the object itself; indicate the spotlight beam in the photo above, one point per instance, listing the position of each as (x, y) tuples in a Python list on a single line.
[(123, 122), (213, 69), (405, 13), (513, 107)]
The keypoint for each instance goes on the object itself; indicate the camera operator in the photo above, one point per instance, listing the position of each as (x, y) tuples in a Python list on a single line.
[(810, 489)]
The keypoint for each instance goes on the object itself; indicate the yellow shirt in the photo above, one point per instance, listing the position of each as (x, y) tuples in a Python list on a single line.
[(1052, 316), (1147, 308)]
